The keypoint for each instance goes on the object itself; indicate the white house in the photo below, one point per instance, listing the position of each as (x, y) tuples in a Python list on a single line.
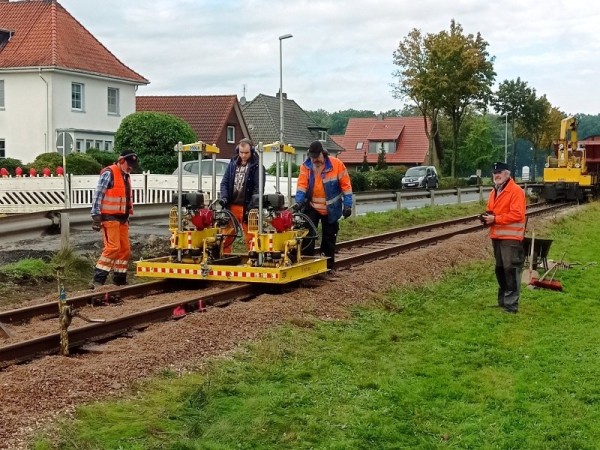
[(59, 86)]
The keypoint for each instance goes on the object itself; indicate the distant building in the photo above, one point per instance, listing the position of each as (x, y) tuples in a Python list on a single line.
[(216, 119), (402, 138), (263, 115), (59, 86)]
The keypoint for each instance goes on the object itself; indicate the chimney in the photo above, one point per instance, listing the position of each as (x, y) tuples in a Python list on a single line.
[(284, 95)]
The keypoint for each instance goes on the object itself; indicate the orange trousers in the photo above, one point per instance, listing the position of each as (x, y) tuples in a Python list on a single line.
[(116, 247), (238, 213)]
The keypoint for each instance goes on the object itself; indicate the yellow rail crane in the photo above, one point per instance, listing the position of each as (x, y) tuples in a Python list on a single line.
[(566, 175), (280, 234)]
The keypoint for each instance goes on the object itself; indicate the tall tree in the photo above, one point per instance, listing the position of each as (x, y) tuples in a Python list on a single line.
[(417, 82), (533, 125), (510, 99), (465, 71), (478, 150)]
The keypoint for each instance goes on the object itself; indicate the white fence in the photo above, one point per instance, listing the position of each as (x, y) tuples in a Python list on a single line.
[(25, 195)]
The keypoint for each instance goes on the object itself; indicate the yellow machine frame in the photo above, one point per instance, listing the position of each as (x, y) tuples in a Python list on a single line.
[(257, 266)]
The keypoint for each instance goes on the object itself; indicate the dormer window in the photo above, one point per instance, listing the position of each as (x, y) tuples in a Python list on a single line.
[(5, 36)]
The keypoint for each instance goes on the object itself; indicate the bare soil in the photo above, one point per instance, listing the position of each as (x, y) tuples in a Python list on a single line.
[(62, 383)]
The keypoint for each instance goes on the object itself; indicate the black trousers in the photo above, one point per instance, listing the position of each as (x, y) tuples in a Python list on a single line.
[(328, 236), (509, 256)]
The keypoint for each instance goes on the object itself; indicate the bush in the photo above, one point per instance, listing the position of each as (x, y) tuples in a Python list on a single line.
[(152, 136), (389, 179), (11, 164), (359, 181), (295, 169), (49, 160), (82, 164), (104, 158)]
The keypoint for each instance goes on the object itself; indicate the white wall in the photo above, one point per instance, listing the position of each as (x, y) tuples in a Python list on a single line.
[(23, 121), (30, 120)]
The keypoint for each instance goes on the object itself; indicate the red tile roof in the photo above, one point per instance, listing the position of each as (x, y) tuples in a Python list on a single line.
[(206, 114), (408, 133), (44, 34)]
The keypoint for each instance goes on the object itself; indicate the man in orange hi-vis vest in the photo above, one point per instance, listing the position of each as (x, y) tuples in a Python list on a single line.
[(111, 208), (324, 193), (505, 216)]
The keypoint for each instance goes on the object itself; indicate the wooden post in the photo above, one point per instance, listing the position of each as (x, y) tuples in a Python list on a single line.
[(64, 311), (398, 200)]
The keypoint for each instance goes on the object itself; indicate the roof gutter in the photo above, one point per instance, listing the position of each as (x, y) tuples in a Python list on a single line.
[(97, 76)]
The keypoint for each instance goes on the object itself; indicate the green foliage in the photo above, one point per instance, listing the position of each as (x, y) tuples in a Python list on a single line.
[(336, 122), (11, 164), (50, 160), (152, 136), (381, 164), (358, 180), (104, 158), (82, 164), (388, 179), (28, 270), (587, 125), (283, 170)]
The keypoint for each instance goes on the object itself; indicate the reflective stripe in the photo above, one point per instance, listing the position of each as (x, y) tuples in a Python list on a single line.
[(334, 199)]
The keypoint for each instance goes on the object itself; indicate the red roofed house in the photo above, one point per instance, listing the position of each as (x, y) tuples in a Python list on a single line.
[(59, 86), (403, 139), (216, 119)]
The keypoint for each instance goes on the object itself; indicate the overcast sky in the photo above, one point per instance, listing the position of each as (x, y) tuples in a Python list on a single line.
[(340, 56)]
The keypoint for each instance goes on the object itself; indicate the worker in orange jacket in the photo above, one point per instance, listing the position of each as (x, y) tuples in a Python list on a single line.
[(324, 193), (111, 207), (505, 217)]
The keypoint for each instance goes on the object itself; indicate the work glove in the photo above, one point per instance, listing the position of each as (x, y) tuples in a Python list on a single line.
[(96, 223), (347, 212)]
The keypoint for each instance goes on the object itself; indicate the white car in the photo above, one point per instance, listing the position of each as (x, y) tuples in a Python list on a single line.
[(191, 167)]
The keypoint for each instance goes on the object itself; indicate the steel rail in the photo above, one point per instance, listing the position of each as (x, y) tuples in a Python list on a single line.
[(49, 344)]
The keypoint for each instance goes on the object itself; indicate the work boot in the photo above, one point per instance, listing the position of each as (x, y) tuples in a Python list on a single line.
[(95, 284), (120, 280)]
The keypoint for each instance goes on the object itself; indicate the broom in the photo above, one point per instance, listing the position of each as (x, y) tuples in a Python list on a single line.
[(551, 284)]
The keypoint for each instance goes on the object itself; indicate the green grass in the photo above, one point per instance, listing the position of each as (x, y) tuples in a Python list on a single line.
[(428, 367)]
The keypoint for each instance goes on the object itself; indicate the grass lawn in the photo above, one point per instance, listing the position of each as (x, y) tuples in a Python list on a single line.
[(428, 367)]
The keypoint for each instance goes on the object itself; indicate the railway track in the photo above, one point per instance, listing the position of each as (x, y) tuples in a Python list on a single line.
[(121, 310)]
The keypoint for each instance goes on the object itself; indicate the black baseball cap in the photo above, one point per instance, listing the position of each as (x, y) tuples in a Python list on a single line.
[(499, 166), (315, 149), (131, 157)]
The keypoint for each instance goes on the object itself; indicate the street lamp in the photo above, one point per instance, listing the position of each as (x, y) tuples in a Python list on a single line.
[(281, 38), (506, 138)]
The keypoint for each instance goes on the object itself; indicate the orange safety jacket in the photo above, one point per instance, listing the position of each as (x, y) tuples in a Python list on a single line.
[(117, 197), (508, 208)]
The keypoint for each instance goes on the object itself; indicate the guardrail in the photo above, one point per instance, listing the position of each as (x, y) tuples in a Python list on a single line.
[(20, 227)]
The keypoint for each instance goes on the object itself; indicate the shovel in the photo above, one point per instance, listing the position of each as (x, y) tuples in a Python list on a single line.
[(530, 274)]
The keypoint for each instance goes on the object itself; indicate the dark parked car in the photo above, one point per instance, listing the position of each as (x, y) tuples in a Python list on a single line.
[(421, 177)]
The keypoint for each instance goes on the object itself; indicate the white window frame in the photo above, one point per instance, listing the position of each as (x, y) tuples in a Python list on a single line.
[(2, 149), (359, 145), (230, 134), (81, 94), (79, 144), (107, 146), (322, 135), (115, 104), (2, 99)]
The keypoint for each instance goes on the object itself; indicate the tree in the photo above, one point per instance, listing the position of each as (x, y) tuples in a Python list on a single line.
[(510, 99), (381, 164), (336, 122), (478, 150), (464, 69), (534, 124), (152, 136), (417, 82)]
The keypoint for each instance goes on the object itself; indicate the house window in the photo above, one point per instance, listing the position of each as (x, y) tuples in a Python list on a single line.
[(88, 144), (79, 145), (113, 101), (98, 145), (1, 94), (377, 146), (230, 135), (2, 148), (359, 145), (323, 136), (77, 96), (107, 146)]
